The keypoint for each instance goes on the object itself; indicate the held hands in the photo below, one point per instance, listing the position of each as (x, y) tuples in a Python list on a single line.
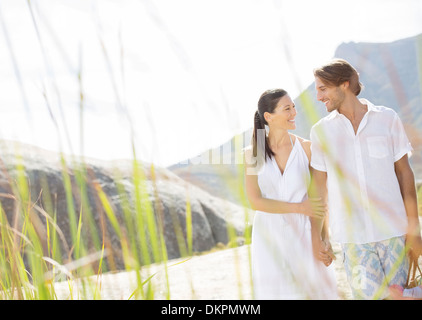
[(317, 209), (323, 252), (314, 207)]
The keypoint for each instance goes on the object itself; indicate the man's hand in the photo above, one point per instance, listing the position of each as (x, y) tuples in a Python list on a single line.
[(414, 243)]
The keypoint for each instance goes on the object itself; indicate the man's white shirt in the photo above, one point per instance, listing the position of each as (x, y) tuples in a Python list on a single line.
[(364, 198)]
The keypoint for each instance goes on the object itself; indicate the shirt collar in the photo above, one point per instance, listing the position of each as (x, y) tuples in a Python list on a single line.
[(371, 108)]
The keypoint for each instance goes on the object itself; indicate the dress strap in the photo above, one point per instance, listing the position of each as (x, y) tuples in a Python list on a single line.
[(291, 140)]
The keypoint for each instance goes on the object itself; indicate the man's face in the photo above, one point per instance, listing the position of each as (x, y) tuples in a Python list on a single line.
[(331, 96)]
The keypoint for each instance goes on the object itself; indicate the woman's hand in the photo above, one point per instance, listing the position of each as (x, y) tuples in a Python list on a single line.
[(313, 207)]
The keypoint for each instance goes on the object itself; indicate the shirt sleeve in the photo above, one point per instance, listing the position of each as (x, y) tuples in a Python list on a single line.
[(317, 154), (401, 144)]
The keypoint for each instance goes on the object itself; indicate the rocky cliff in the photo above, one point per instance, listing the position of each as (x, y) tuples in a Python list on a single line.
[(392, 76)]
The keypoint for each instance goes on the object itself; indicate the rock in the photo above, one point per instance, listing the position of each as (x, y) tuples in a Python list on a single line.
[(163, 197)]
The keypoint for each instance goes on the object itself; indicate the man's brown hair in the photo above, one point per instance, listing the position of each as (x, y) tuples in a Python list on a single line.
[(337, 72)]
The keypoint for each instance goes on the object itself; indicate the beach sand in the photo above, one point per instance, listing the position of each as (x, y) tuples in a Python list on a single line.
[(219, 275)]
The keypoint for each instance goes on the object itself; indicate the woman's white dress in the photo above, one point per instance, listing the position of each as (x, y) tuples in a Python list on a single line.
[(283, 265)]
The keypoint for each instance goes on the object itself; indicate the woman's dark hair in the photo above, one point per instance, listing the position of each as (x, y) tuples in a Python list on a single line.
[(267, 103)]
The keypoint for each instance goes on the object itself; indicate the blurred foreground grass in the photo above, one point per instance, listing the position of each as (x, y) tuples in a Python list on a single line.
[(32, 245)]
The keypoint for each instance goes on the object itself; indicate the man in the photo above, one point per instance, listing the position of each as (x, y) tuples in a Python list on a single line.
[(360, 161)]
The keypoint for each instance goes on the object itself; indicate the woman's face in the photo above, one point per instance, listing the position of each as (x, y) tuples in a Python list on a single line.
[(284, 114)]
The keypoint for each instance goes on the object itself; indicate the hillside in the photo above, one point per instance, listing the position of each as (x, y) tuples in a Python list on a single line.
[(391, 75)]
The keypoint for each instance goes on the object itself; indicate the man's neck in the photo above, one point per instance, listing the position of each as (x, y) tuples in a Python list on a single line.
[(353, 109)]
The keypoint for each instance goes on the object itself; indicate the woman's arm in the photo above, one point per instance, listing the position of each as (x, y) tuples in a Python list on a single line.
[(309, 207)]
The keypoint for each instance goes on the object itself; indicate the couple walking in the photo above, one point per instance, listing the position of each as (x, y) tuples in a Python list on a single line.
[(352, 178)]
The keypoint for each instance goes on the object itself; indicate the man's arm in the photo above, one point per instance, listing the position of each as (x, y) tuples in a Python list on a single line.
[(318, 189), (319, 228), (406, 181)]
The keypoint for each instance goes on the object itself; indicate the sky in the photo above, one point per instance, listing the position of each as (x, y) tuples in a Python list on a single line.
[(176, 78)]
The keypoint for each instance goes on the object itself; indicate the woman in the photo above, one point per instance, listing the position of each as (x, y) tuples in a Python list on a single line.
[(277, 179)]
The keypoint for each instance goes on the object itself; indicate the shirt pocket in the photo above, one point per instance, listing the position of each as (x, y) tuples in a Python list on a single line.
[(377, 147)]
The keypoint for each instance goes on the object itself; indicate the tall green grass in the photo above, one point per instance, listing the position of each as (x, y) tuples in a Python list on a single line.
[(35, 254)]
